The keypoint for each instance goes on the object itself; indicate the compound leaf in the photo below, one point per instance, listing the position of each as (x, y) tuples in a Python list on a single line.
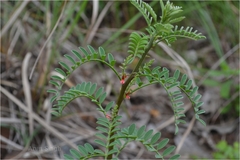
[(168, 150)]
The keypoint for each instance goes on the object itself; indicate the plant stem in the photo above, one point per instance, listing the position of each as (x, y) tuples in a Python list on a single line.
[(125, 85)]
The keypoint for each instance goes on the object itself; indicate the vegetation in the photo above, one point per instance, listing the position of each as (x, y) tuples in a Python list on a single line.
[(41, 32), (112, 137)]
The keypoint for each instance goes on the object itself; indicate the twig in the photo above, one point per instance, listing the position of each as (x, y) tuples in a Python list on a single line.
[(171, 120), (185, 135), (14, 40), (10, 143), (13, 18), (174, 55), (37, 118), (215, 65), (27, 91), (49, 37), (96, 25)]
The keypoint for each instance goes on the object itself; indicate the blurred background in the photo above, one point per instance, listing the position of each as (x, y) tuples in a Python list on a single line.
[(54, 28)]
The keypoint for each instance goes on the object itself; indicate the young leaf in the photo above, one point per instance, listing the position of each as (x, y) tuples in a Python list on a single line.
[(100, 135), (102, 53), (162, 73), (180, 121), (61, 72), (201, 121), (64, 65), (52, 91), (189, 84), (68, 157), (102, 97), (103, 124), (151, 11), (55, 114), (200, 112), (75, 153), (87, 87), (102, 129), (176, 129), (177, 97), (57, 78), (179, 104), (183, 80), (162, 144), (175, 157), (142, 9), (140, 132), (131, 129), (148, 135), (84, 51), (89, 148), (199, 104), (111, 59), (155, 138), (100, 142), (99, 92), (91, 49), (168, 150), (158, 155), (82, 150), (53, 98), (99, 152), (82, 87), (78, 55), (173, 85), (176, 75), (114, 150), (194, 91), (109, 105), (92, 89), (197, 97), (103, 119), (70, 59)]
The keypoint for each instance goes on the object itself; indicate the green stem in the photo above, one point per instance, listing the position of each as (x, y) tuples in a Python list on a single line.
[(125, 85)]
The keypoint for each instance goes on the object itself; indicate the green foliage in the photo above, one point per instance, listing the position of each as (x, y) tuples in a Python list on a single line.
[(163, 28), (226, 151), (112, 138), (174, 89), (137, 44)]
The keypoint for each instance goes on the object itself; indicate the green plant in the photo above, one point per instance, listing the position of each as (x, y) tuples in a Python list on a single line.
[(226, 151), (112, 137)]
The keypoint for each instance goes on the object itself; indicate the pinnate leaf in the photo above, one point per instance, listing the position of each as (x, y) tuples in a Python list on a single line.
[(89, 148), (82, 150), (78, 55), (75, 153), (168, 150), (68, 157), (162, 144), (131, 129), (61, 72), (102, 97), (100, 142), (70, 58), (175, 157), (155, 138), (148, 135), (93, 88), (99, 92), (140, 132), (109, 105), (64, 65)]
